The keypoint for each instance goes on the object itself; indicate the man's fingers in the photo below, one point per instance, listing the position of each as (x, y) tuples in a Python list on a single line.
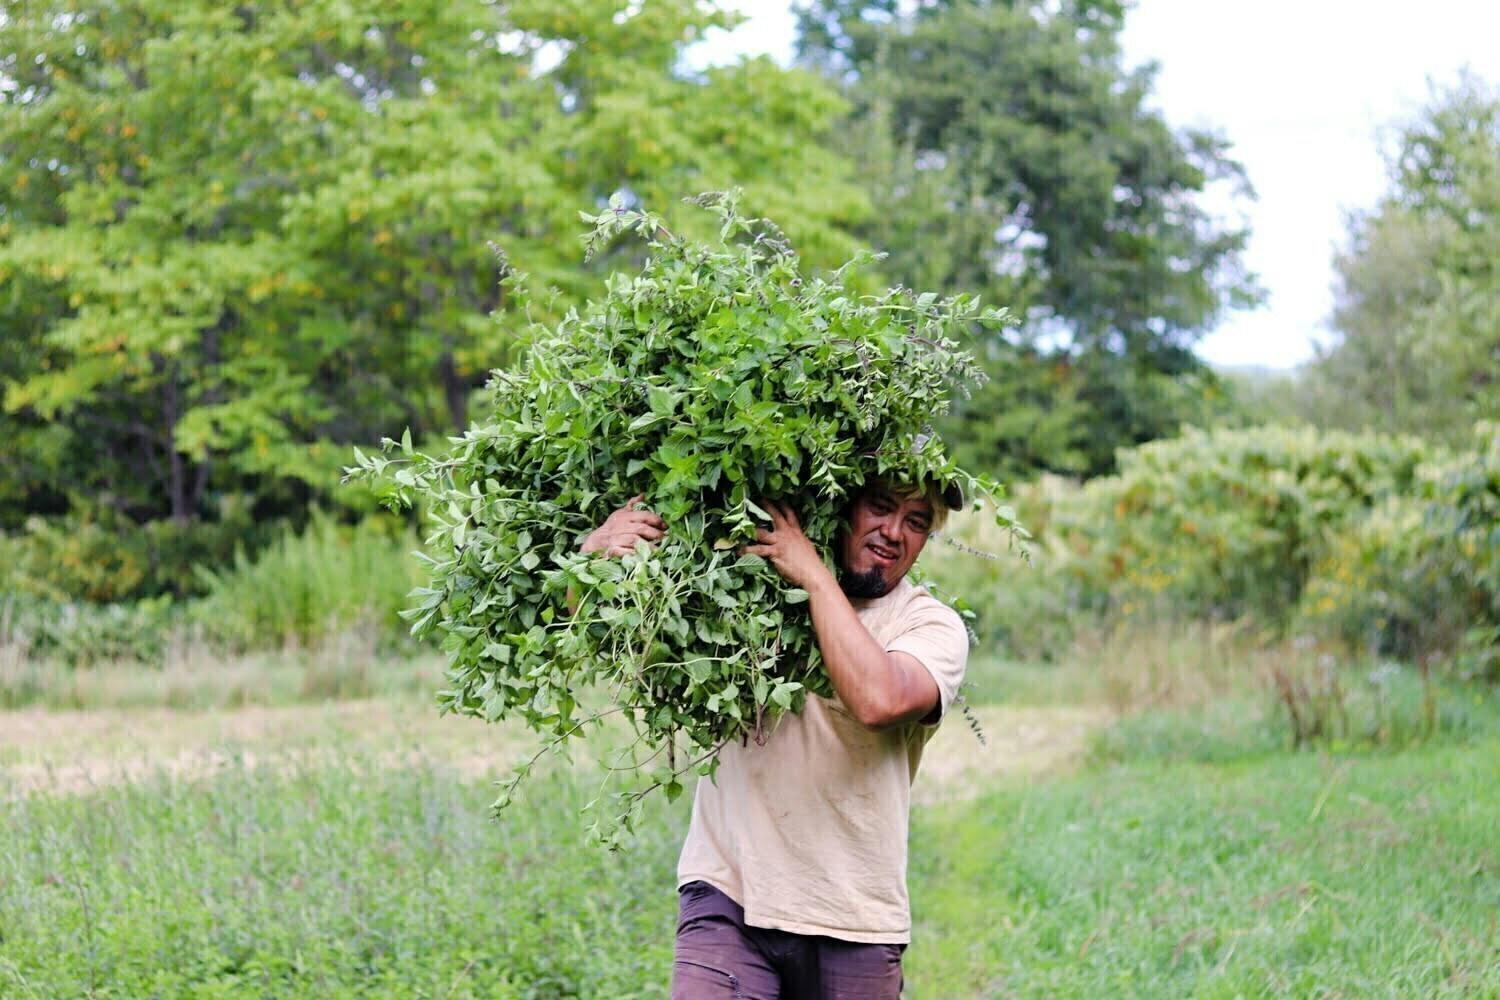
[(781, 513), (764, 535), (624, 546), (630, 520), (756, 550), (638, 533)]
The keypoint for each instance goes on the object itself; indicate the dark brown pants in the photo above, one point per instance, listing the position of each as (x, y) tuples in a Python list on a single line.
[(719, 957)]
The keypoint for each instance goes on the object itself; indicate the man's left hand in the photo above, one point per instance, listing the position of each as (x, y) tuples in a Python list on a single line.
[(789, 550)]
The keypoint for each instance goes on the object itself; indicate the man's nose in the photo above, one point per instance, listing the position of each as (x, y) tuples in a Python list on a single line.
[(890, 528)]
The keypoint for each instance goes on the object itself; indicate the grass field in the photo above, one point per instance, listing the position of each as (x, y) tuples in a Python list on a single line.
[(344, 849)]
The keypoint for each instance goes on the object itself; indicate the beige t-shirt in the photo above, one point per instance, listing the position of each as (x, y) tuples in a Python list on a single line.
[(808, 831)]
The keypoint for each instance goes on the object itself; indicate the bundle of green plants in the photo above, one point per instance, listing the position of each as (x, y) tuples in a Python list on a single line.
[(717, 376)]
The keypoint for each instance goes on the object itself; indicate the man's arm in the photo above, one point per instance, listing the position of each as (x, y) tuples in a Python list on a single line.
[(880, 689)]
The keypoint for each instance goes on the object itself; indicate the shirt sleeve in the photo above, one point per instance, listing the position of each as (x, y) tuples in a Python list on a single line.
[(936, 638)]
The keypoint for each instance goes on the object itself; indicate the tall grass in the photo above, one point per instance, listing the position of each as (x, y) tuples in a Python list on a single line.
[(306, 587)]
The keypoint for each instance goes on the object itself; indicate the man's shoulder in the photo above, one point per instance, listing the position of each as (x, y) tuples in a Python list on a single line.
[(910, 605), (917, 599)]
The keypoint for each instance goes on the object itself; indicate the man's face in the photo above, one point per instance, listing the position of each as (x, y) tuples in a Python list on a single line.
[(884, 536)]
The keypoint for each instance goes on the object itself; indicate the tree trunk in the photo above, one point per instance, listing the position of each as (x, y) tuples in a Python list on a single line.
[(177, 485), (455, 390), (211, 361)]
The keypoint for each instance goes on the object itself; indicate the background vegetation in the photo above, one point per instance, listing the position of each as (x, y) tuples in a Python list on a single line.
[(222, 272), (236, 241)]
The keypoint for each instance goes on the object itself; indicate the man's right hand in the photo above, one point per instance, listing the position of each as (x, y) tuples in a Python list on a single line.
[(622, 529)]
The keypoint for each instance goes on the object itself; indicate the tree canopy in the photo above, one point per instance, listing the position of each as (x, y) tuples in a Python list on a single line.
[(233, 237), (1009, 151), (1417, 289)]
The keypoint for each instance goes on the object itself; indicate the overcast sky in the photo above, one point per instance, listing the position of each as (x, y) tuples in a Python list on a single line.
[(1306, 90)]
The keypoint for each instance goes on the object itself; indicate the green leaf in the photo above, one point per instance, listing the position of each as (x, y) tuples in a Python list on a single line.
[(646, 420), (758, 512)]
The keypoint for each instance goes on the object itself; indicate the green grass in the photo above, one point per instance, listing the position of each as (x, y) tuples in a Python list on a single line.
[(1298, 875), (344, 881), (1291, 875)]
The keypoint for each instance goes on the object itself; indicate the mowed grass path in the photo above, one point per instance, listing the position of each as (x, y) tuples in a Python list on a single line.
[(357, 871), (1295, 875)]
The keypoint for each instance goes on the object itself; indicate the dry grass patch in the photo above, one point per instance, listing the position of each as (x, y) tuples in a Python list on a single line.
[(1018, 742), (73, 751)]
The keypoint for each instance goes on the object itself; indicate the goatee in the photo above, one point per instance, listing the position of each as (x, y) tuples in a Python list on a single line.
[(871, 583)]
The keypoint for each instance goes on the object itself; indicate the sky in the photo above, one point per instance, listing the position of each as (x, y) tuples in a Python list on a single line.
[(1308, 92)]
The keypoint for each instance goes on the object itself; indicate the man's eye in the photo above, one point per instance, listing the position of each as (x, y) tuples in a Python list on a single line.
[(917, 524)]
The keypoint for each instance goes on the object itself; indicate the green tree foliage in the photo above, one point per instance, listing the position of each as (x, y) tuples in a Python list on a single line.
[(1010, 152), (1417, 298), (232, 235)]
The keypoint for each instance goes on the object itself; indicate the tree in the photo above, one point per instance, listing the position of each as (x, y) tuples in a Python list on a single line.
[(1417, 292), (1009, 151), (234, 237)]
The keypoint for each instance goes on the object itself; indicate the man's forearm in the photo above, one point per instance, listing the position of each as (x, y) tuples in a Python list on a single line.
[(874, 686)]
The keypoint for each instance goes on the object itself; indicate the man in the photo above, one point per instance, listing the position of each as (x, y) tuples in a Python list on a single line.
[(792, 880)]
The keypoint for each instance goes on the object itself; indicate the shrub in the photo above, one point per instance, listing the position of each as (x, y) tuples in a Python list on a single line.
[(1370, 586), (99, 555), (76, 633), (1228, 522), (1384, 544), (1420, 575)]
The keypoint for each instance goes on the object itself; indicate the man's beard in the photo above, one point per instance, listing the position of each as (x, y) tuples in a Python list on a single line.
[(870, 583)]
